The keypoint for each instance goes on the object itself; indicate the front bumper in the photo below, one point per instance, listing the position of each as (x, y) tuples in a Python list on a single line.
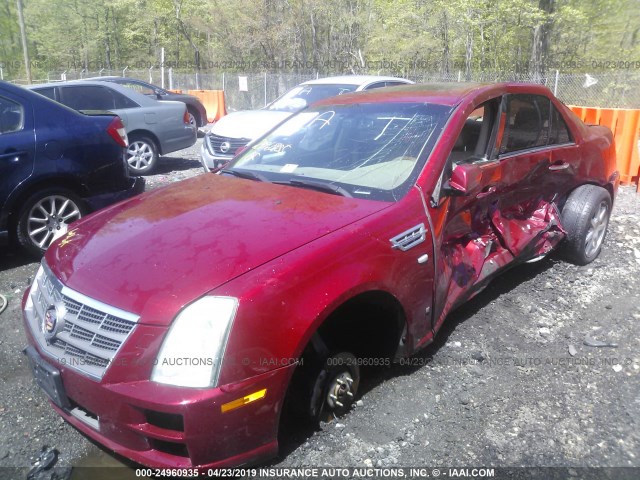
[(162, 426), (136, 186)]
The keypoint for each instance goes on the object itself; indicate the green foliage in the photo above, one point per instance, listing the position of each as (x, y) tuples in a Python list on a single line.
[(329, 36)]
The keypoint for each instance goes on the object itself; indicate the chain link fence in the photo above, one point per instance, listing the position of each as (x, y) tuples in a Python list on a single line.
[(255, 90)]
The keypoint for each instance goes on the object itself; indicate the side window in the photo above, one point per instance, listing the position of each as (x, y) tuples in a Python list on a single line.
[(143, 89), (527, 123), (559, 130), (11, 116), (471, 144), (395, 84), (376, 85), (90, 97), (49, 92), (122, 101)]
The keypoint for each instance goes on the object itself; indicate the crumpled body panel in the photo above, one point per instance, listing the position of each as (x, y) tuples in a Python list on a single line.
[(535, 233), (519, 232)]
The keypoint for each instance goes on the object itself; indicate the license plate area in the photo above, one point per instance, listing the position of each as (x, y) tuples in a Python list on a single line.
[(48, 378)]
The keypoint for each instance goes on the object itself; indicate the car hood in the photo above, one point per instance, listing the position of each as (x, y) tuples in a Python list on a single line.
[(157, 252), (248, 124)]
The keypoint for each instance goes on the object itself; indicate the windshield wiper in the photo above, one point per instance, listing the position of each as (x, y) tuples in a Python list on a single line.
[(315, 185), (245, 174)]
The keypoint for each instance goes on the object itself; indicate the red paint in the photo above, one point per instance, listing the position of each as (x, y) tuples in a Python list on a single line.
[(291, 257)]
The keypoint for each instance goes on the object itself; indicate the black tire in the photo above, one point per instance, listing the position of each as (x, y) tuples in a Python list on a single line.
[(585, 217), (46, 215), (142, 155)]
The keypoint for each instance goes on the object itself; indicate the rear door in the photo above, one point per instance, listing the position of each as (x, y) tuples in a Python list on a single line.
[(534, 173), (17, 144)]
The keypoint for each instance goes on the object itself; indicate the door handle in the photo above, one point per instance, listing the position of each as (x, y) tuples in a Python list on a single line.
[(13, 156), (486, 191), (558, 166)]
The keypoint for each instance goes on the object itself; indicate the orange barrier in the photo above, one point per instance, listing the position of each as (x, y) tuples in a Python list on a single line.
[(625, 125), (213, 101), (175, 91)]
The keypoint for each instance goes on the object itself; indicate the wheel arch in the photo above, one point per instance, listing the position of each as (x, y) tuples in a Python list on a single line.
[(146, 133), (373, 319), (607, 186), (338, 331), (25, 190), (200, 121)]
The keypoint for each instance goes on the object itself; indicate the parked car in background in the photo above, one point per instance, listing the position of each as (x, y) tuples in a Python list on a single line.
[(56, 165), (342, 238), (154, 127), (235, 130), (196, 110)]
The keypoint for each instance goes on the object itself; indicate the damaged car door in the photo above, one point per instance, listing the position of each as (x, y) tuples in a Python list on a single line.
[(499, 194)]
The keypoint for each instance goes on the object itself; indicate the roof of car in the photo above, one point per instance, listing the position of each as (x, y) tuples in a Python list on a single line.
[(105, 77), (75, 82), (353, 80), (450, 94), (132, 94)]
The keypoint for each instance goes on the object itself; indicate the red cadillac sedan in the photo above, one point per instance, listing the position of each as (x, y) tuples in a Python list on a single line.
[(175, 327)]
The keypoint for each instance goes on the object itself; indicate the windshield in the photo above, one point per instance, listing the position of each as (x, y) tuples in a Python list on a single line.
[(371, 151), (301, 96)]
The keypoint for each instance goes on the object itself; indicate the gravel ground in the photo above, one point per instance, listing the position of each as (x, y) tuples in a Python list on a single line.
[(508, 382)]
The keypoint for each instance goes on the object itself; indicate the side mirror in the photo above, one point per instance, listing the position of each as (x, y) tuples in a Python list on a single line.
[(158, 93), (465, 178)]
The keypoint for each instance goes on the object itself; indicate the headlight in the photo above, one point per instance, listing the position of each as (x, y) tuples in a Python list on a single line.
[(192, 351)]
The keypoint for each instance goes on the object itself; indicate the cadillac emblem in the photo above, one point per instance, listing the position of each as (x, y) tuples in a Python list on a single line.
[(224, 147), (53, 321)]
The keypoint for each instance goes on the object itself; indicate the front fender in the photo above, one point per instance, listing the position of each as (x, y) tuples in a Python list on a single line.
[(283, 302)]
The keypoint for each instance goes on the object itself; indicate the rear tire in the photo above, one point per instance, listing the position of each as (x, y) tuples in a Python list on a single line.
[(585, 217)]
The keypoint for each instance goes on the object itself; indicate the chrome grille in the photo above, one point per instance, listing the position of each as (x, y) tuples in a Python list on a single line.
[(93, 331), (215, 141)]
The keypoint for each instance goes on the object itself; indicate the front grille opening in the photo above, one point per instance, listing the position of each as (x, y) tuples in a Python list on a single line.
[(168, 421), (93, 332), (87, 412), (87, 416), (176, 449)]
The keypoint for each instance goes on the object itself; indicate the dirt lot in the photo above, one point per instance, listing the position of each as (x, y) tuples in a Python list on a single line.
[(509, 381)]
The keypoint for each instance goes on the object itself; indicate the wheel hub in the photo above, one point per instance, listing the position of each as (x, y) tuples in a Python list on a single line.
[(54, 223), (340, 391)]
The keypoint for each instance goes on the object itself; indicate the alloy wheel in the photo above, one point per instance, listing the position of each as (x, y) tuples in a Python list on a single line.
[(49, 218), (597, 229), (139, 155)]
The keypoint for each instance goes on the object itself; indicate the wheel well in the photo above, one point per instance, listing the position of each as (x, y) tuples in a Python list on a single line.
[(22, 197), (194, 111), (608, 187), (369, 325), (146, 133)]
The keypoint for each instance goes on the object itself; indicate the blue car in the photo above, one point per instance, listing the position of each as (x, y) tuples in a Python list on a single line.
[(56, 165)]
